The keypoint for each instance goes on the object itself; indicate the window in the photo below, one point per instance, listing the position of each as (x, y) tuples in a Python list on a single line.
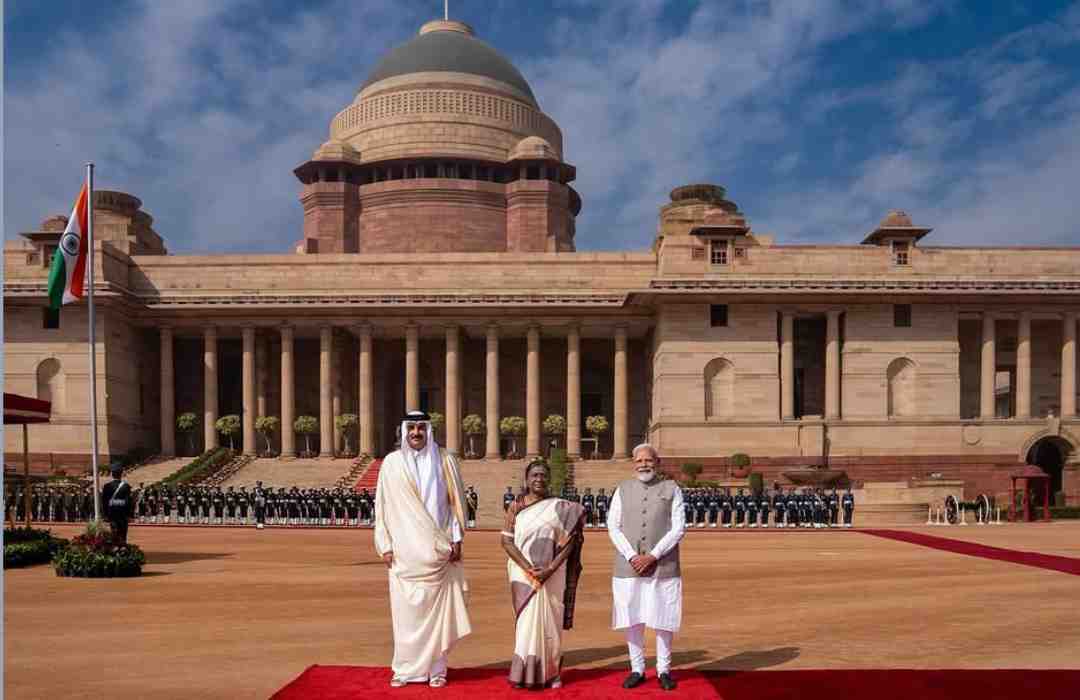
[(47, 254), (697, 253), (718, 252), (50, 318), (718, 315), (901, 315), (900, 252), (740, 253)]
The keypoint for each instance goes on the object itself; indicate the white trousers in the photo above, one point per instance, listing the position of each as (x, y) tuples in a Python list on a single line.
[(438, 670), (635, 640)]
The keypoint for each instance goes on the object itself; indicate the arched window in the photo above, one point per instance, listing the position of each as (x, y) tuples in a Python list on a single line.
[(719, 389), (50, 383), (901, 379)]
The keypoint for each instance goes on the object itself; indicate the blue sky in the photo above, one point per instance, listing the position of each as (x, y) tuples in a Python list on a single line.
[(818, 116)]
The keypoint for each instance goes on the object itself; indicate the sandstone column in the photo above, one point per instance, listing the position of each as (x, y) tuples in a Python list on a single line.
[(1068, 367), (989, 368), (453, 391), (326, 407), (288, 407), (366, 419), (248, 377), (1023, 366), (412, 368), (787, 366), (621, 413), (168, 394), (262, 373), (532, 394), (210, 392), (832, 365), (336, 353), (491, 392), (573, 392)]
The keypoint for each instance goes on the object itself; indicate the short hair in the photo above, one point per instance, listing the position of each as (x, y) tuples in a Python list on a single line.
[(539, 462), (642, 446)]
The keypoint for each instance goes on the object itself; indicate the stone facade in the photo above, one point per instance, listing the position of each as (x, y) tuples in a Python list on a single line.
[(890, 359)]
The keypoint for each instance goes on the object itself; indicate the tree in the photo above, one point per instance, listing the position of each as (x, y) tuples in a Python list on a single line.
[(437, 422), (346, 423), (554, 425), (186, 424), (228, 426), (473, 425), (267, 426), (597, 426), (306, 426), (512, 427)]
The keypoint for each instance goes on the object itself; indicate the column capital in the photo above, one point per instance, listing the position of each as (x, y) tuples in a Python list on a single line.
[(834, 313), (364, 329), (493, 327)]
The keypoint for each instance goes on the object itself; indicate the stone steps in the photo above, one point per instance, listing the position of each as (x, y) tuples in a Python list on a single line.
[(302, 473), (155, 472)]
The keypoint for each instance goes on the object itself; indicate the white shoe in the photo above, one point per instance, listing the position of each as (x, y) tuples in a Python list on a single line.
[(753, 525), (259, 526)]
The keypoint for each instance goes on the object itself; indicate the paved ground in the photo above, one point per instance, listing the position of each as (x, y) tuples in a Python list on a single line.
[(237, 613)]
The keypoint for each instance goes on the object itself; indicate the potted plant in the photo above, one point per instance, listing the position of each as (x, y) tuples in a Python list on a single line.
[(438, 420), (596, 426), (472, 425), (692, 471), (185, 425), (554, 425), (267, 426), (228, 426), (740, 465), (306, 426), (346, 423), (512, 427)]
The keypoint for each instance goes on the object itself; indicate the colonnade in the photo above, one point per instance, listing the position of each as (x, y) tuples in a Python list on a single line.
[(255, 379)]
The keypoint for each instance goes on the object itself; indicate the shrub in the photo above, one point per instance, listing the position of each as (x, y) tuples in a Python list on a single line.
[(185, 425), (692, 470), (559, 470), (93, 555), (200, 467), (513, 427), (25, 546), (306, 426), (267, 426), (473, 425), (596, 426), (346, 423), (740, 460), (228, 426), (554, 425), (438, 420), (757, 483), (1065, 512)]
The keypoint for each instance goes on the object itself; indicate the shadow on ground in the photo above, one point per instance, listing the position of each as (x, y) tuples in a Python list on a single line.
[(181, 557)]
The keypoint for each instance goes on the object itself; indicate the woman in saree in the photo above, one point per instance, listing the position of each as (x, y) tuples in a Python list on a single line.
[(542, 537)]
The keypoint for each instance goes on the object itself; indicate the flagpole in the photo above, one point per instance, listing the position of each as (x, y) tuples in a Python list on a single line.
[(93, 343)]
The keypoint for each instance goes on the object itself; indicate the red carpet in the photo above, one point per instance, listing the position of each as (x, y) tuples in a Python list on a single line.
[(1066, 565), (341, 682), (370, 477)]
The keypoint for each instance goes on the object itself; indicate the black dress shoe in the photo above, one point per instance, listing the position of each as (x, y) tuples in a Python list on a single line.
[(667, 682), (633, 680)]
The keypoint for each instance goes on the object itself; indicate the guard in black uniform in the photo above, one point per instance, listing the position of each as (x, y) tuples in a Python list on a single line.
[(260, 505), (740, 509), (117, 498), (792, 503), (712, 507), (688, 507), (806, 510), (701, 503), (367, 506), (602, 502), (472, 505), (848, 504), (751, 509), (763, 508), (508, 498), (833, 504), (587, 502)]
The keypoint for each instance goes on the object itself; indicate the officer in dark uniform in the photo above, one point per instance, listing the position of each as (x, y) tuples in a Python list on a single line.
[(806, 512), (242, 504), (88, 503), (117, 498), (352, 509), (166, 504), (792, 503), (763, 507), (472, 504), (602, 502), (587, 502), (260, 505), (701, 507), (848, 504), (751, 509), (688, 507), (833, 503), (712, 507), (508, 497), (740, 509)]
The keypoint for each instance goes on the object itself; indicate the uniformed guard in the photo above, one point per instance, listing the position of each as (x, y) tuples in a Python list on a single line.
[(166, 504), (792, 505), (701, 507), (116, 497), (763, 507), (833, 503), (508, 497), (752, 509), (260, 505), (472, 504), (588, 502), (352, 508), (848, 504), (602, 501), (806, 512), (740, 509), (712, 507), (688, 507)]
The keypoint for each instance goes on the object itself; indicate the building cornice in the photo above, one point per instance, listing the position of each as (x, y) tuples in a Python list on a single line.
[(884, 285)]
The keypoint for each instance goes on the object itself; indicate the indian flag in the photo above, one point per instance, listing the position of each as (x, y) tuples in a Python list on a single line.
[(68, 271)]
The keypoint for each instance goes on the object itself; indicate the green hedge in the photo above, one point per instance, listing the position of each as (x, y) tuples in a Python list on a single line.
[(27, 546), (559, 470), (203, 465), (1065, 512), (93, 555)]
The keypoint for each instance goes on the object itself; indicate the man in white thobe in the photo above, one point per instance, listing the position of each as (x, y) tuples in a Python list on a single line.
[(645, 523), (419, 520)]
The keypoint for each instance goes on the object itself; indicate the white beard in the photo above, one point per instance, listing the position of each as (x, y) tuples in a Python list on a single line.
[(646, 477)]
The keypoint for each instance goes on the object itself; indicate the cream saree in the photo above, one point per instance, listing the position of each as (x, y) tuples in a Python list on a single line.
[(541, 531)]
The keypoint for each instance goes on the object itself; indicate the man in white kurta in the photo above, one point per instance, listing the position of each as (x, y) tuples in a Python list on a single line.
[(419, 520), (645, 523)]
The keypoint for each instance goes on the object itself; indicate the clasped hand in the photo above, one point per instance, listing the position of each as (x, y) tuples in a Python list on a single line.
[(541, 573), (643, 564)]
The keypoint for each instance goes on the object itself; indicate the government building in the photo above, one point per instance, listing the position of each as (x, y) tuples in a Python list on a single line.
[(438, 269)]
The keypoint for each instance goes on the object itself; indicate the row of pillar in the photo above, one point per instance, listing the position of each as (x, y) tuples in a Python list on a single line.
[(832, 365), (254, 394), (988, 368)]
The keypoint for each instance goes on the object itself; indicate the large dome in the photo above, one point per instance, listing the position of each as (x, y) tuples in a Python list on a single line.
[(449, 47)]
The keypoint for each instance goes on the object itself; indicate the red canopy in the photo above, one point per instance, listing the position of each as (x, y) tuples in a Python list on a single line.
[(23, 409)]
